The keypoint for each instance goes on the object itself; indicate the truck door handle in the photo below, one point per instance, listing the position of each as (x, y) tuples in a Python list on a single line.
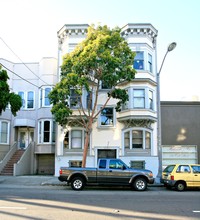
[(110, 170)]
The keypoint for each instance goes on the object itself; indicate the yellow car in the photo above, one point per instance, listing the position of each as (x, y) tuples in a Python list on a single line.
[(181, 176)]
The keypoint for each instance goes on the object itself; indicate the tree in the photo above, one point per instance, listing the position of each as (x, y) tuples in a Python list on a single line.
[(103, 57), (7, 97)]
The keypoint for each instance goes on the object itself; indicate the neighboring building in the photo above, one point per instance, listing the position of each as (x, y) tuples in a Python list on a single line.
[(180, 127), (130, 134), (34, 125)]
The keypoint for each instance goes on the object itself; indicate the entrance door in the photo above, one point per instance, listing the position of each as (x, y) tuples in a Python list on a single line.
[(22, 139), (25, 137)]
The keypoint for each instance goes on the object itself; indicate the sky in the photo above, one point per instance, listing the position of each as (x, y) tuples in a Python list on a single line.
[(29, 29)]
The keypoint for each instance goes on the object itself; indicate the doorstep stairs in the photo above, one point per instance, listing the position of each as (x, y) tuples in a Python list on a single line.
[(8, 169)]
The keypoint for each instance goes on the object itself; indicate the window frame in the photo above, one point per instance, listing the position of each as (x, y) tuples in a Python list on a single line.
[(139, 60), (69, 145), (25, 99), (43, 96), (113, 118), (7, 132), (130, 139), (41, 131)]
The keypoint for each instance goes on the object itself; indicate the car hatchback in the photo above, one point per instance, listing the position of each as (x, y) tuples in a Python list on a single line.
[(181, 176)]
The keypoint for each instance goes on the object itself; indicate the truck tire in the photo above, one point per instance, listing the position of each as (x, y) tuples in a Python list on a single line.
[(77, 183), (140, 184)]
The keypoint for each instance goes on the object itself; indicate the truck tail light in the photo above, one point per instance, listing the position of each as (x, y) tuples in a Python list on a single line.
[(60, 171), (172, 177)]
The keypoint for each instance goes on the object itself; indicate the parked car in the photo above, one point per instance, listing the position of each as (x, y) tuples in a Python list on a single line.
[(181, 176), (113, 172)]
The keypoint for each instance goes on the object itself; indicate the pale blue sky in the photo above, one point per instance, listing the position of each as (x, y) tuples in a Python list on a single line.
[(30, 28)]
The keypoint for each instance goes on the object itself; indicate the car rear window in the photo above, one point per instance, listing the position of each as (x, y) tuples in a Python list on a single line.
[(169, 169)]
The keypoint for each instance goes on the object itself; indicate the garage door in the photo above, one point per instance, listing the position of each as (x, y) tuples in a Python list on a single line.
[(172, 154), (46, 164)]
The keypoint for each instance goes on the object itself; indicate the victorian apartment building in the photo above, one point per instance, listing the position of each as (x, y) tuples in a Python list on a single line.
[(130, 135)]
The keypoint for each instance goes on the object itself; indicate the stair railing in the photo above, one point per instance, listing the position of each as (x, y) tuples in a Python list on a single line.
[(8, 156)]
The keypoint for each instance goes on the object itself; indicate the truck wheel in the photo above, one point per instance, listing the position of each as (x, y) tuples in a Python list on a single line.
[(77, 183), (180, 186), (140, 184)]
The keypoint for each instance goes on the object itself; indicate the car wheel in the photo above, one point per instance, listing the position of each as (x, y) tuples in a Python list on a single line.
[(140, 184), (180, 186), (77, 183)]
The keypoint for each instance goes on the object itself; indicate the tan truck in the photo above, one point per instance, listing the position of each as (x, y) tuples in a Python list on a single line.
[(113, 172)]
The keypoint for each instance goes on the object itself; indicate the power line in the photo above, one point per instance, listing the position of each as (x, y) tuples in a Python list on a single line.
[(22, 61), (19, 76)]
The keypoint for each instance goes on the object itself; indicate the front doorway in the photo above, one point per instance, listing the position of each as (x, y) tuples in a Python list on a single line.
[(25, 137)]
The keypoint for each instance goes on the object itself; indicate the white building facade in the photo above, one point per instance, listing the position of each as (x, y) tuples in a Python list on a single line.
[(131, 134)]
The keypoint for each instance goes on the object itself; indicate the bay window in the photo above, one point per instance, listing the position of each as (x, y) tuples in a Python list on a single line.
[(137, 139)]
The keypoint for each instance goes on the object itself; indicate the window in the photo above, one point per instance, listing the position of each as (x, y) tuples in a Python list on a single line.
[(150, 96), (75, 99), (4, 132), (104, 85), (75, 163), (116, 164), (139, 61), (30, 100), (139, 164), (139, 98), (150, 63), (107, 116), (27, 99), (46, 131), (44, 99), (21, 94), (137, 139), (74, 139)]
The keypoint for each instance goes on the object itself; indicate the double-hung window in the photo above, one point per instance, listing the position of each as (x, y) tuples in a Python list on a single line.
[(139, 61), (4, 132), (44, 99), (46, 131), (150, 69), (75, 99), (139, 98)]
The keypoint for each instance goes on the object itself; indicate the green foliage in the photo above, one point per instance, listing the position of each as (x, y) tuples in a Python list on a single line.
[(7, 97), (104, 56)]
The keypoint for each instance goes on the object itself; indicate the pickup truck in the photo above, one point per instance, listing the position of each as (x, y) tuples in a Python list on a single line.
[(109, 172)]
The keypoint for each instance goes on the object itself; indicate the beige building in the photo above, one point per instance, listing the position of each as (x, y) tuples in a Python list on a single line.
[(131, 134)]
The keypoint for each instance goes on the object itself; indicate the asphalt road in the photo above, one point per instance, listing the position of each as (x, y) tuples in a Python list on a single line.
[(60, 202)]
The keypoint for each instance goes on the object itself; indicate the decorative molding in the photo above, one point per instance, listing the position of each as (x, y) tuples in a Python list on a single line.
[(145, 123)]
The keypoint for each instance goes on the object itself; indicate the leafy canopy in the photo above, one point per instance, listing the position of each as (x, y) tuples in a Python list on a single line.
[(104, 56), (7, 97)]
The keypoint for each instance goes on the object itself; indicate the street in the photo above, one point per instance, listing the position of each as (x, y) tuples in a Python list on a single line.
[(95, 203)]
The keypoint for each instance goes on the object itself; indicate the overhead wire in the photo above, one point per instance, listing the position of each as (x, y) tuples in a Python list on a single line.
[(22, 61), (19, 76)]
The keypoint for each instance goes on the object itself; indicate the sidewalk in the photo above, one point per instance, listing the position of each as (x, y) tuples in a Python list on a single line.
[(37, 180)]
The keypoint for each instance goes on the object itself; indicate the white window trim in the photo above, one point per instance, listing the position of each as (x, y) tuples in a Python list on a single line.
[(114, 117), (8, 129), (70, 138), (42, 131), (26, 100), (42, 89), (144, 130)]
